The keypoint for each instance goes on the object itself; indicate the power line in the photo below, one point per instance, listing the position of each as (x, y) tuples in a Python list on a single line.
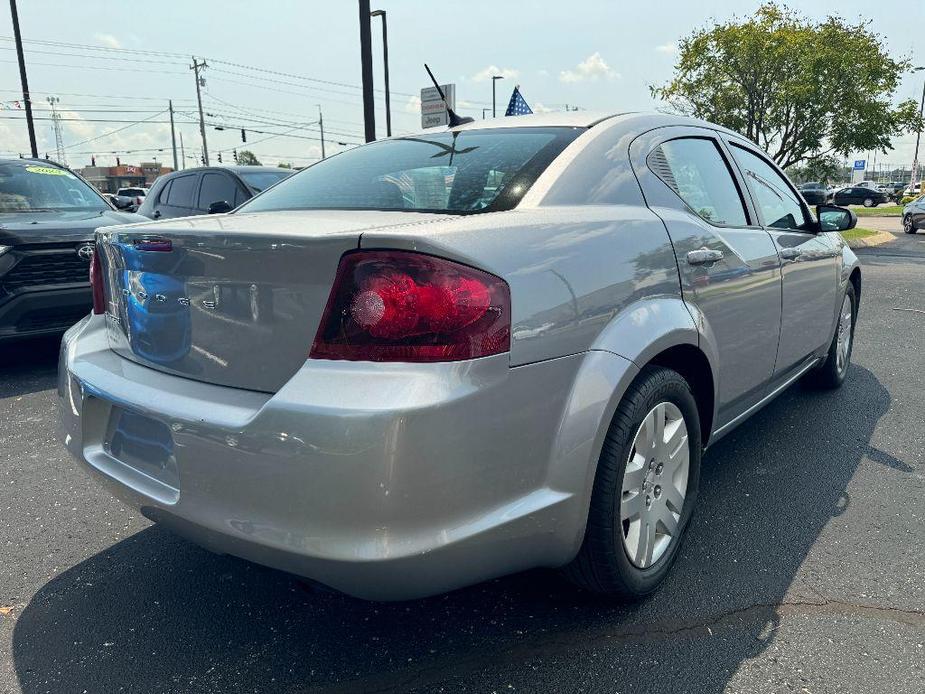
[(113, 132)]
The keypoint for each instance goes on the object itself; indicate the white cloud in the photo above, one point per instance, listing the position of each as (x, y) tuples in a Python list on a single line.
[(486, 74), (591, 68), (670, 48), (539, 107), (108, 40), (413, 105)]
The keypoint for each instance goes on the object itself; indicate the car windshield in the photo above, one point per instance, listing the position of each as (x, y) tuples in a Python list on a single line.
[(28, 187), (463, 172), (261, 180)]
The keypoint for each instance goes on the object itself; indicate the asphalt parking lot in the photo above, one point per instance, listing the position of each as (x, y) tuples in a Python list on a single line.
[(802, 571)]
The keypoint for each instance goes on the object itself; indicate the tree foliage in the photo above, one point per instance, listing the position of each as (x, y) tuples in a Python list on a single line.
[(248, 158), (800, 90)]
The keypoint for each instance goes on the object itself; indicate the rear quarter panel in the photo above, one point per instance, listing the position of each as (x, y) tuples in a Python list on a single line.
[(581, 278)]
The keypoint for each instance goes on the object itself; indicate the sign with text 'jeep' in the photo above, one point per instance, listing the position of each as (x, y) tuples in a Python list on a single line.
[(433, 112)]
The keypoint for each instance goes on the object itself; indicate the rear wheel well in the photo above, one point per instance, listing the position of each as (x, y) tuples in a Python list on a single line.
[(694, 366)]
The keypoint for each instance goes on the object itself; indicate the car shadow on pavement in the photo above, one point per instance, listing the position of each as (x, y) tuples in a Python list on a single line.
[(155, 613), (28, 366)]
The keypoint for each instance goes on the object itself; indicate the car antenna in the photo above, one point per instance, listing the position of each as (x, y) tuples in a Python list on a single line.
[(455, 118)]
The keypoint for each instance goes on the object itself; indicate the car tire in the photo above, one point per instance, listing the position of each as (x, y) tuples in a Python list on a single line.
[(832, 372), (908, 224), (604, 564), (869, 202)]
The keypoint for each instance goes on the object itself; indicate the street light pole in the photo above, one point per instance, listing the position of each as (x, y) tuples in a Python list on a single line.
[(366, 70), (918, 134), (494, 109), (385, 62), (27, 100)]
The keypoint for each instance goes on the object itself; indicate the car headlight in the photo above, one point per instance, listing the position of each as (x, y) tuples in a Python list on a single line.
[(4, 249)]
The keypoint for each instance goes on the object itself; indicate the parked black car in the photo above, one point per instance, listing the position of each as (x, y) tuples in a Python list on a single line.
[(47, 218), (207, 189), (857, 195), (815, 193)]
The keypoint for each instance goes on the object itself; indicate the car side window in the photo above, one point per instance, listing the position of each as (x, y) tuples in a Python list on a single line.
[(239, 196), (696, 170), (780, 206), (216, 187), (181, 191), (162, 198)]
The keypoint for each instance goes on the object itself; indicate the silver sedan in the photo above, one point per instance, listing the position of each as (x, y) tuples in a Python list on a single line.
[(445, 357)]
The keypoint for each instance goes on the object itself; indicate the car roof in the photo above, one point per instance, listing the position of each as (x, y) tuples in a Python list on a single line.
[(30, 160), (238, 169), (638, 120)]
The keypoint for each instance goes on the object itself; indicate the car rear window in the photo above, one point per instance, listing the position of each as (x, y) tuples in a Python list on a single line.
[(462, 172)]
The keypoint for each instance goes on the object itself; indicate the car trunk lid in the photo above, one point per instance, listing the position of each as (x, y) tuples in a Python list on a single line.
[(233, 300)]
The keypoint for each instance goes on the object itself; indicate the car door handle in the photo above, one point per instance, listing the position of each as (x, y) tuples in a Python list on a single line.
[(704, 256), (790, 253)]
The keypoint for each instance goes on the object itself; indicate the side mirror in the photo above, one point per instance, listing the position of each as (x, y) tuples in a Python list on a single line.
[(220, 207), (833, 218)]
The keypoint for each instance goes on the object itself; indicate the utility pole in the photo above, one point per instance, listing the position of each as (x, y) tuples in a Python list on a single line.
[(321, 127), (195, 67), (494, 81), (182, 150), (173, 135), (56, 124), (385, 61), (366, 68), (27, 100)]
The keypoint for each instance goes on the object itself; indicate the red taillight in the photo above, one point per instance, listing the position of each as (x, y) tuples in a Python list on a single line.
[(96, 283), (407, 306)]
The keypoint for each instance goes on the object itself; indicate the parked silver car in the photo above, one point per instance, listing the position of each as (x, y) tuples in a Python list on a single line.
[(441, 358)]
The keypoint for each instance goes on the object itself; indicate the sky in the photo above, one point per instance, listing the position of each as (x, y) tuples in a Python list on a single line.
[(272, 63)]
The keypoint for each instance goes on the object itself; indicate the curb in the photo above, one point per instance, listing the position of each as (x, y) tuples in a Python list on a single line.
[(877, 239)]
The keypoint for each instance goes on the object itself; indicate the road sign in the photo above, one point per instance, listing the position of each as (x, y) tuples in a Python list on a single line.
[(860, 164), (433, 112)]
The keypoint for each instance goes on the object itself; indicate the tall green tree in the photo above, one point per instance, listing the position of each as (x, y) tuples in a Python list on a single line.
[(248, 158), (802, 90)]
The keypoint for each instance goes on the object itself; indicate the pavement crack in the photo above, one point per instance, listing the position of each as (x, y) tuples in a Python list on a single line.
[(766, 616)]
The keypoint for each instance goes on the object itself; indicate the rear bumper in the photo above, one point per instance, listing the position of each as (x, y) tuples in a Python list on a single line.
[(43, 312), (385, 481)]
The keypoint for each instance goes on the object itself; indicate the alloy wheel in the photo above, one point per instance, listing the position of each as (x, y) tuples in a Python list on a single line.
[(907, 224), (655, 485), (868, 202), (845, 330)]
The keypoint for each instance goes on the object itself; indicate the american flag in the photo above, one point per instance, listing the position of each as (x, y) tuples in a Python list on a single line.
[(517, 106)]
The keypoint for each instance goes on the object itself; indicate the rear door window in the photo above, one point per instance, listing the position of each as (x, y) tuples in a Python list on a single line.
[(181, 191), (216, 187), (695, 169)]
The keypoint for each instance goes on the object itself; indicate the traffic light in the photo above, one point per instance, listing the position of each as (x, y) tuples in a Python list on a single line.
[(235, 153), (118, 161), (219, 157), (243, 135)]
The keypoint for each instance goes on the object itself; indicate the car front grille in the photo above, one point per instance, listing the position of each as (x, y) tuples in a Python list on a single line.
[(38, 268)]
